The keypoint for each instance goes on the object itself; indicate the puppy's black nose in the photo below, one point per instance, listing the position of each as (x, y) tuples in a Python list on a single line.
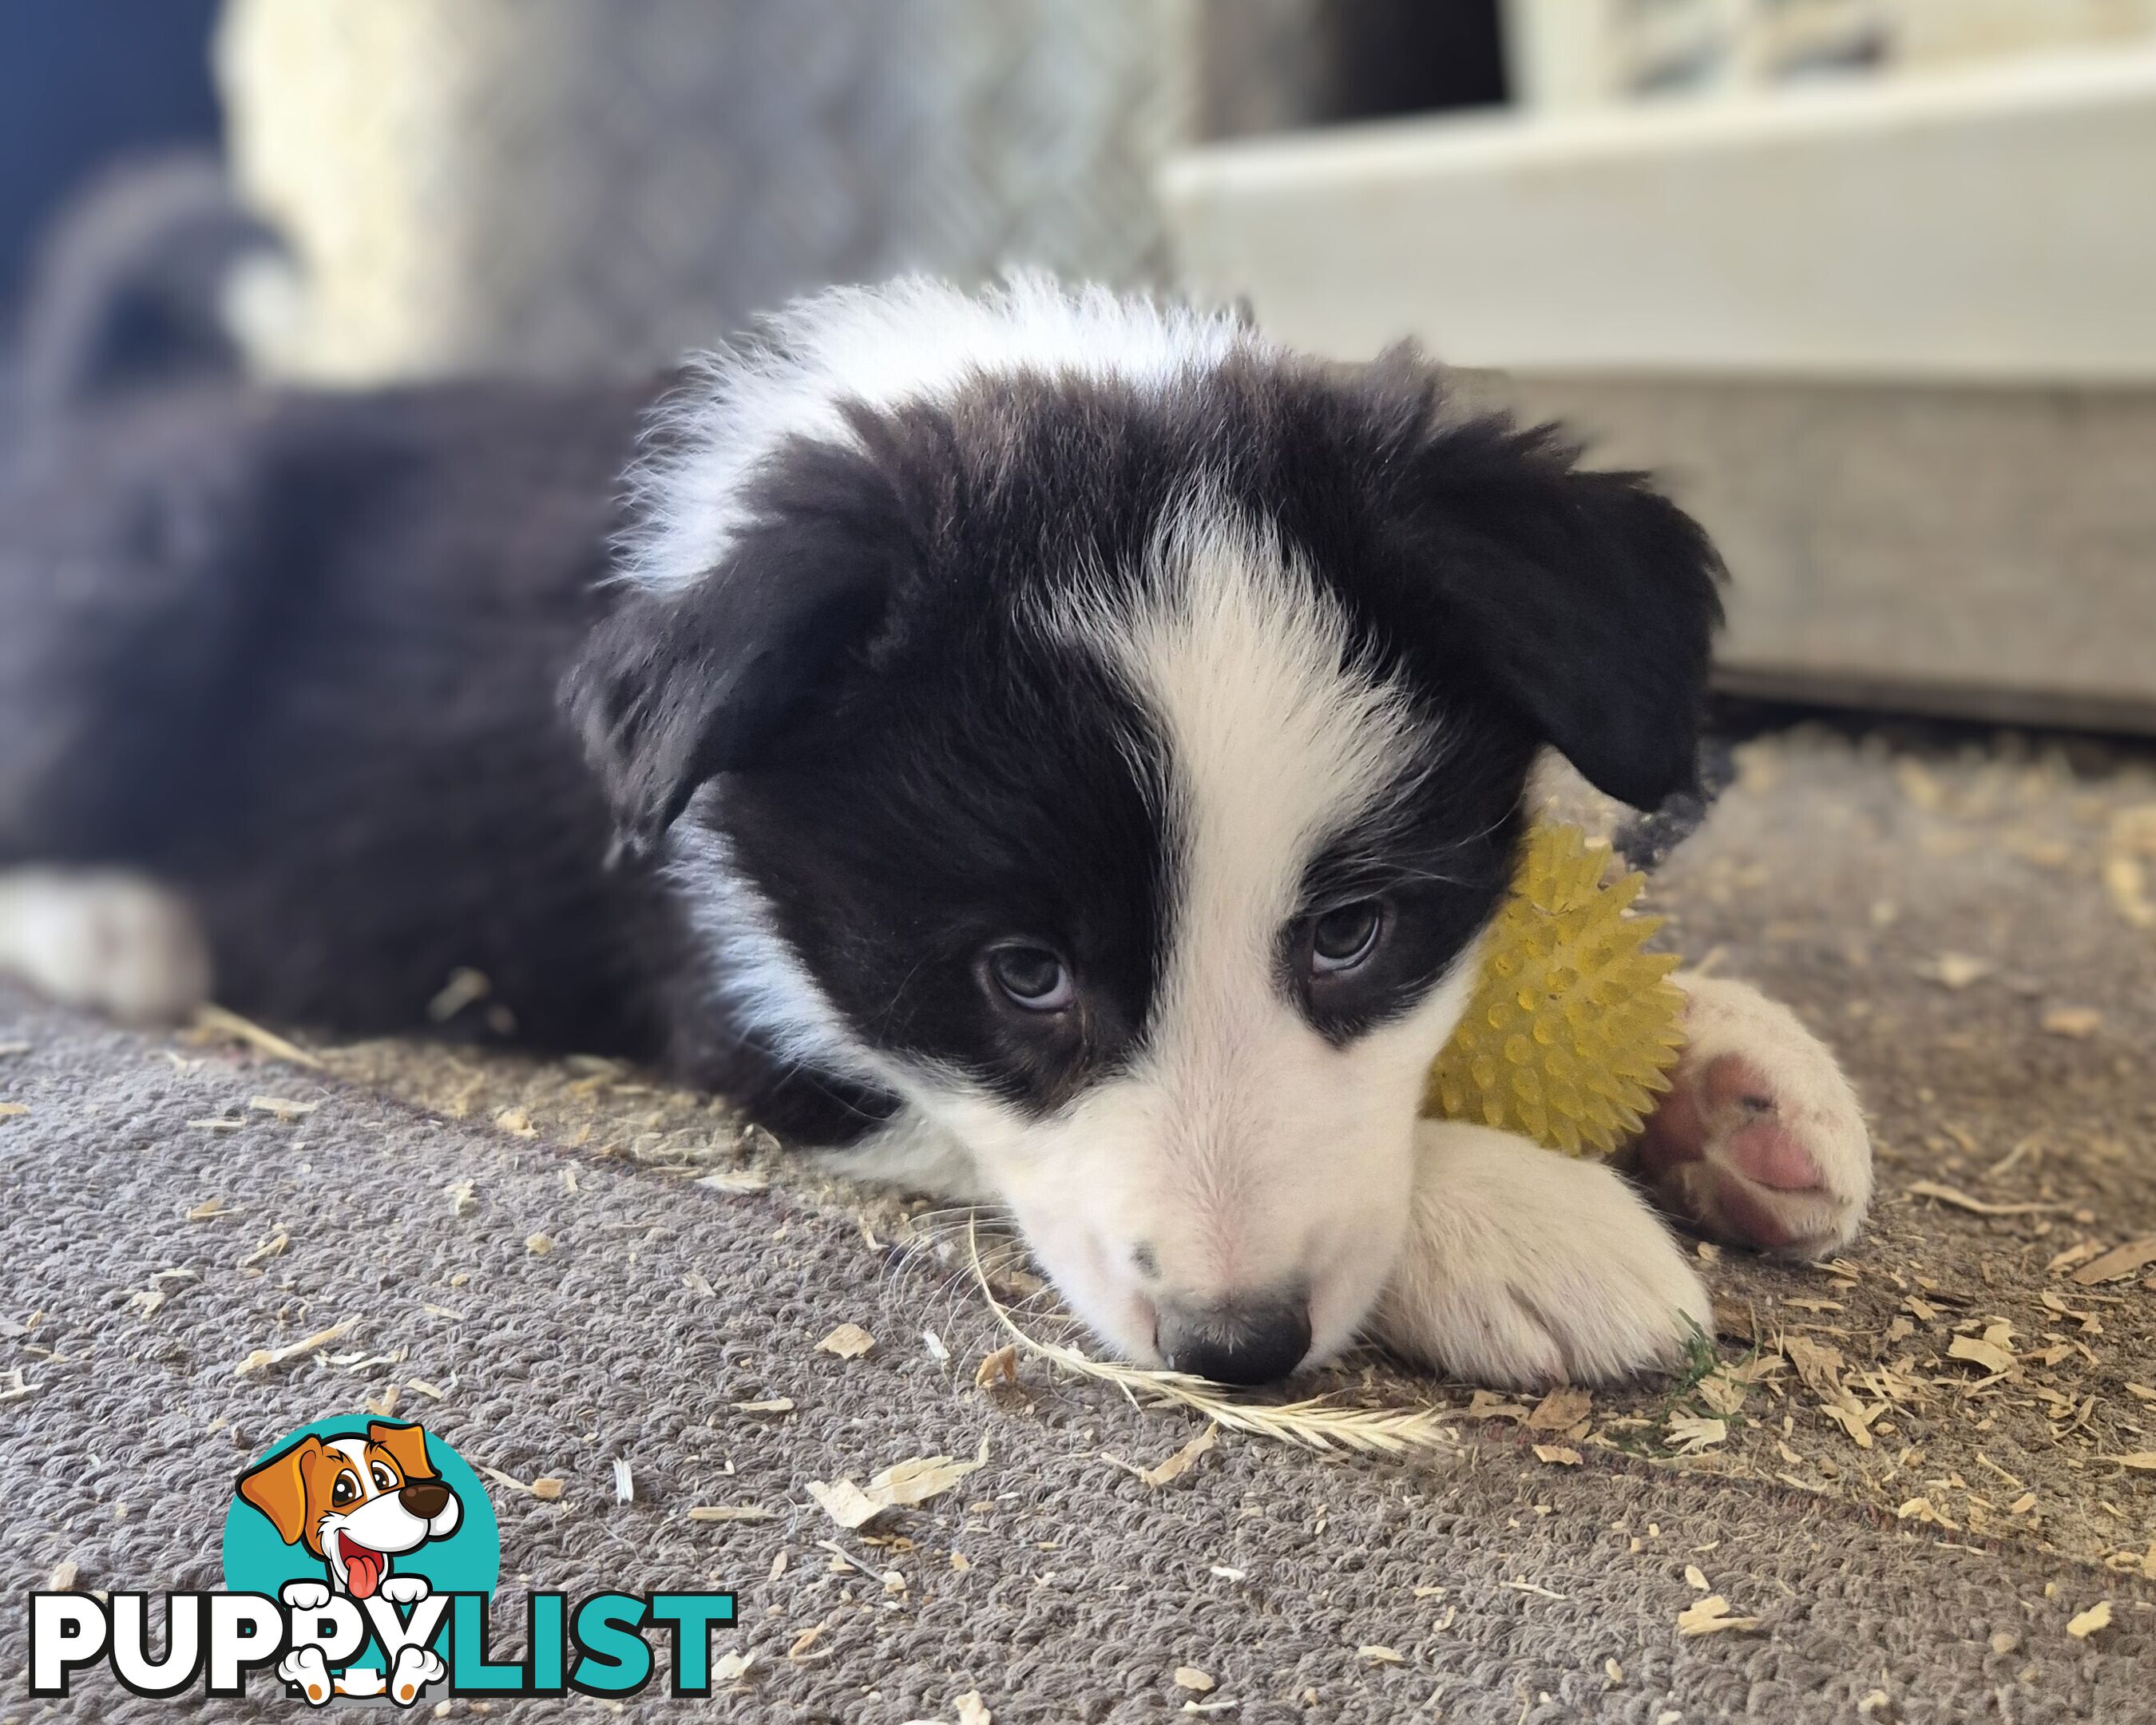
[(1251, 1341), (425, 1498)]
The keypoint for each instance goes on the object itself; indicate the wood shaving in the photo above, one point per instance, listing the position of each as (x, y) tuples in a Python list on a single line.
[(13, 1110), (901, 1485), (538, 1245), (1176, 1466), (1561, 1409), (14, 1387), (1559, 1454), (1956, 970), (1975, 1206), (215, 1024), (209, 1209), (517, 1122), (547, 1490), (2077, 1021), (1976, 1351), (273, 1247), (732, 1667), (1189, 1676), (280, 1109), (1689, 1433), (1488, 1404), (2085, 1623), (2126, 882), (850, 1340), (63, 1577), (1922, 1509), (1711, 1616), (465, 987), (1380, 1656), (463, 1198), (2141, 1460), (2118, 1264), (1695, 1578), (262, 1358), (1000, 1367), (972, 1710), (803, 1641), (731, 1512), (1720, 1392), (776, 1404)]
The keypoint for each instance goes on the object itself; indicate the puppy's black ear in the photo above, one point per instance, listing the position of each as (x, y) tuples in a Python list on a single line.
[(675, 688), (1586, 601)]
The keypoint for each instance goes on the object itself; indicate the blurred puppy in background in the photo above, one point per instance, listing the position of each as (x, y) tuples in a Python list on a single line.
[(1052, 748)]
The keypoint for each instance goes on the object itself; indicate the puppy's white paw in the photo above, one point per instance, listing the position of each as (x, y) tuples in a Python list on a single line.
[(403, 1589), (105, 940), (1761, 1142), (415, 1669), (1527, 1269), (306, 1667), (306, 1595)]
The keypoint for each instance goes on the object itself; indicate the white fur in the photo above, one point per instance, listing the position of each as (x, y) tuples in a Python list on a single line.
[(915, 339), (1244, 1152), (755, 973), (103, 939), (1527, 1268)]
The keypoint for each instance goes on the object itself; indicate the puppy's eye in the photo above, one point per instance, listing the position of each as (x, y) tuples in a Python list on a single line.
[(345, 1489), (384, 1481), (1344, 938), (1031, 977)]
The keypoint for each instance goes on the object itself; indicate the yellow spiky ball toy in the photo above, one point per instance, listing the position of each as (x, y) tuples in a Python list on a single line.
[(1574, 1026)]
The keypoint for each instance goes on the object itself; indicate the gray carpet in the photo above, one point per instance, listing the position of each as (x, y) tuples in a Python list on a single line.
[(1084, 1590)]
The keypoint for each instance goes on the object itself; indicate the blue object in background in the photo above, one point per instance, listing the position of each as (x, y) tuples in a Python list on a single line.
[(83, 82)]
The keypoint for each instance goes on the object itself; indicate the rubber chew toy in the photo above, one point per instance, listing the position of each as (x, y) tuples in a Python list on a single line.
[(1574, 1026)]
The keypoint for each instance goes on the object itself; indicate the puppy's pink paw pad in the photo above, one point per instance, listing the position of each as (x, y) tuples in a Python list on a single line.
[(1773, 1158)]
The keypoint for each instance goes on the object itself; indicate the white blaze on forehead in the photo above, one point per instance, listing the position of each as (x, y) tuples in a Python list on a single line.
[(1278, 733), (1278, 736), (909, 341)]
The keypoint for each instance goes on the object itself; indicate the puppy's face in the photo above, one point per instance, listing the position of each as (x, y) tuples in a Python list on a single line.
[(355, 1502), (1124, 772)]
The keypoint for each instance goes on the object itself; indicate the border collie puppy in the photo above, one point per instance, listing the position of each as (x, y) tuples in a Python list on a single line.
[(1056, 748)]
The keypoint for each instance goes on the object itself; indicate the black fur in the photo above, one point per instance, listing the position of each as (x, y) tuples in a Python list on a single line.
[(296, 654), (942, 775)]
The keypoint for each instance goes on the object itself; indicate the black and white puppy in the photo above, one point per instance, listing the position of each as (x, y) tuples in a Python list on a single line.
[(1058, 748)]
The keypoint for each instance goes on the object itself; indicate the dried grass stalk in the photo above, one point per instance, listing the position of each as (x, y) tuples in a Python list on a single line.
[(1317, 1423)]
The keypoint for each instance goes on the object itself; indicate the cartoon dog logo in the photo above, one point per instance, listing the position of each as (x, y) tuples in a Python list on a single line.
[(357, 1504)]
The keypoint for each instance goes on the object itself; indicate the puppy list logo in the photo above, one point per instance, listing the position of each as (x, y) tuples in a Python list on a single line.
[(360, 1559)]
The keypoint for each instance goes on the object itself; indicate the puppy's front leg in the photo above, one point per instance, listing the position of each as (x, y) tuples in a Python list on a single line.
[(1526, 1269), (1760, 1141)]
